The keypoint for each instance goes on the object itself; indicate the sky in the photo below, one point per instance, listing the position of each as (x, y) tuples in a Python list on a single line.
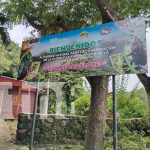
[(19, 32)]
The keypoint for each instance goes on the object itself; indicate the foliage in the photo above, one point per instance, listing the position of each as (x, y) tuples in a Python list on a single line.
[(121, 83), (132, 134), (129, 105), (141, 93), (64, 108), (71, 13), (129, 140), (52, 101), (71, 130), (51, 14), (132, 8), (3, 29), (72, 89), (9, 59), (55, 16), (82, 105)]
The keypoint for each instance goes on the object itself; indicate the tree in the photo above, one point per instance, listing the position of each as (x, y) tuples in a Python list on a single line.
[(133, 8), (72, 89), (145, 79), (53, 17), (3, 29), (9, 59), (57, 16)]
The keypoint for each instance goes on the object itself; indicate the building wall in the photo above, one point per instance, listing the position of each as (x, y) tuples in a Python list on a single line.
[(13, 102), (6, 105)]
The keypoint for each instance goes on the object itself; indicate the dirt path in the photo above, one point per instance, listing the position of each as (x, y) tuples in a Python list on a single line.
[(5, 143)]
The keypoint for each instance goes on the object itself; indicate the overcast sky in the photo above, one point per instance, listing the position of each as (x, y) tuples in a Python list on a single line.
[(19, 32)]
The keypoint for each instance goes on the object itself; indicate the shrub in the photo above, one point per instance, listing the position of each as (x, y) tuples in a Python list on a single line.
[(129, 105), (82, 105)]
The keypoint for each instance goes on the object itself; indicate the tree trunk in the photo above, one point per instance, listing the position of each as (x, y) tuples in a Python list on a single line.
[(99, 89), (146, 83), (97, 116)]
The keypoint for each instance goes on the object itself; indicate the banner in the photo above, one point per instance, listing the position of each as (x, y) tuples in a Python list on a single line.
[(106, 49)]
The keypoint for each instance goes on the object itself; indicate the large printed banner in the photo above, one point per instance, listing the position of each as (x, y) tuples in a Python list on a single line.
[(107, 49)]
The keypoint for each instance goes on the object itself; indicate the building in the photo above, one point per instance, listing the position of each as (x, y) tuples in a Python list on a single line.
[(15, 97)]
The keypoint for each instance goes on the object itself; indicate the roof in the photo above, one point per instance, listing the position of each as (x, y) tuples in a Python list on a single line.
[(7, 81)]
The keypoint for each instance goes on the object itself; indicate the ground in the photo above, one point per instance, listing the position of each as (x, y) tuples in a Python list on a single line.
[(7, 136)]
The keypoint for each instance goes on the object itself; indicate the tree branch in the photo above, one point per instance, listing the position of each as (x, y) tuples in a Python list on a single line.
[(60, 23), (64, 27), (41, 27), (32, 21), (145, 80), (107, 14), (84, 24)]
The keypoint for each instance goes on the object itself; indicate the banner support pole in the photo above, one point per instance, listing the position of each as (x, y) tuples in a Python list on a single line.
[(114, 113), (34, 117)]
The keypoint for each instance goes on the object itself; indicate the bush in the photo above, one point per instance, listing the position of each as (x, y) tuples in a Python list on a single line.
[(129, 105), (82, 105)]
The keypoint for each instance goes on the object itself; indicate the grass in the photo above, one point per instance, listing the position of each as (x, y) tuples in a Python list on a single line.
[(12, 126), (62, 147)]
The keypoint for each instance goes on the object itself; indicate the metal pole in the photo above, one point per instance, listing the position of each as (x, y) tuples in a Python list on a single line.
[(34, 117), (114, 113)]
